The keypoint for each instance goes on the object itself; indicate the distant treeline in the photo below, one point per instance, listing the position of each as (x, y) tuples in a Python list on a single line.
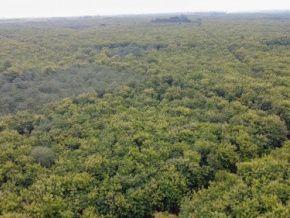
[(176, 19)]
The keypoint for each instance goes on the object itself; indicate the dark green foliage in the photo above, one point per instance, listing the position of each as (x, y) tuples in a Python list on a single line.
[(279, 41), (43, 155), (124, 49), (176, 19), (7, 64), (31, 90)]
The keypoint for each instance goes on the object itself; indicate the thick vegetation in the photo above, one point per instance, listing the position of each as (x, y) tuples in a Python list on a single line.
[(136, 118), (260, 188)]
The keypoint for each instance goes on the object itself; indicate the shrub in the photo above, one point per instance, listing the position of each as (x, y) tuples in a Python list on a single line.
[(43, 155)]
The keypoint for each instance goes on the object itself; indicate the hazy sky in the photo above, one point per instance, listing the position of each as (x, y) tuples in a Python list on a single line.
[(50, 8)]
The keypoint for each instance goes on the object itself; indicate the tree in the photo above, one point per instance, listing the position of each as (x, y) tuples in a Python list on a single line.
[(43, 155)]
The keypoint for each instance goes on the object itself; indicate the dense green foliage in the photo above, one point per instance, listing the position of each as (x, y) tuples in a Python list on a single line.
[(131, 118), (32, 90), (260, 188), (43, 155)]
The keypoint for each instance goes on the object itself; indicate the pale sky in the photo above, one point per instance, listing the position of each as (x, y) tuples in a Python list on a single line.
[(60, 8)]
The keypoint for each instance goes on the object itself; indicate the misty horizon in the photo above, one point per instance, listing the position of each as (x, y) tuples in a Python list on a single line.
[(64, 8), (151, 14)]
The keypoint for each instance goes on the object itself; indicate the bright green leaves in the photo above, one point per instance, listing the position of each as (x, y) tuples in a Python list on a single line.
[(261, 187), (267, 131), (58, 195), (24, 122)]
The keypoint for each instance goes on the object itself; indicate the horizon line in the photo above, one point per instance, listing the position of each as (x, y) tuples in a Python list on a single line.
[(146, 14)]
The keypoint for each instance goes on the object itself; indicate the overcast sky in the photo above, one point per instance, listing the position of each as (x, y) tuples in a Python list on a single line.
[(55, 8)]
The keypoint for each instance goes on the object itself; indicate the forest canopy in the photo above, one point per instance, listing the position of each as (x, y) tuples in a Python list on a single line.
[(124, 117)]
